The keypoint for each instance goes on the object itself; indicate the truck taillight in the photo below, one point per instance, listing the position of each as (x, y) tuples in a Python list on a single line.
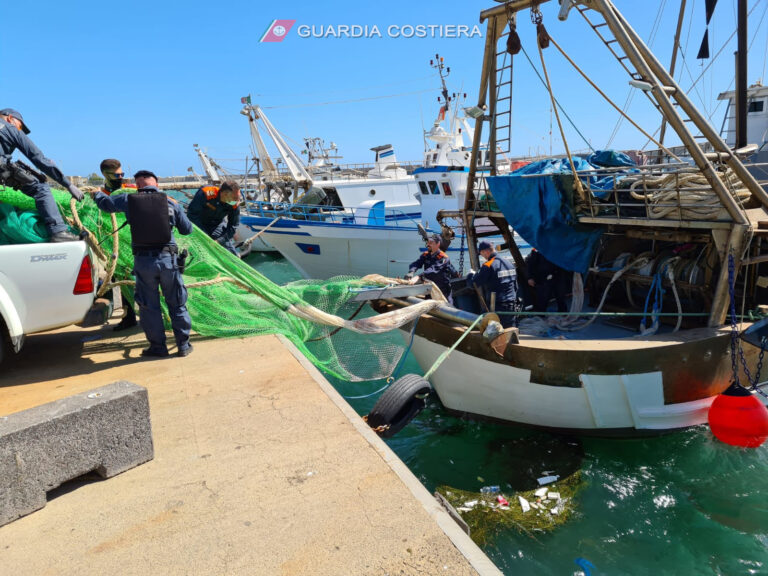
[(84, 282)]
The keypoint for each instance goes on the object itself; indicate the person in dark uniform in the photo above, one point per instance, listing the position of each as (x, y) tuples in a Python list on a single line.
[(216, 210), (546, 280), (152, 217), (114, 180), (13, 136), (437, 266), (496, 276)]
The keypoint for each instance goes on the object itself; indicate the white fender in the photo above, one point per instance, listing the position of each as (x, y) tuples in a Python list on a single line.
[(11, 318)]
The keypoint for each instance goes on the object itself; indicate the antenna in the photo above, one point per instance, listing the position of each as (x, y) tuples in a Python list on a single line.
[(444, 71)]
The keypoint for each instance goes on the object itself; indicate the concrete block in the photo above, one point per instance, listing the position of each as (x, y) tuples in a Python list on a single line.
[(106, 430)]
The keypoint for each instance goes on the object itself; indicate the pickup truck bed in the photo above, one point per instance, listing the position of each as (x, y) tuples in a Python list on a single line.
[(43, 287)]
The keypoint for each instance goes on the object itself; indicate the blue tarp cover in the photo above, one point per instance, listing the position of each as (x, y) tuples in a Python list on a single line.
[(541, 209)]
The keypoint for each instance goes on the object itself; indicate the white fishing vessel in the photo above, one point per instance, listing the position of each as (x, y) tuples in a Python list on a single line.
[(375, 235), (632, 362)]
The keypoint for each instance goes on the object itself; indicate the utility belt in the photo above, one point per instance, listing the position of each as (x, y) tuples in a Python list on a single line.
[(154, 251), (18, 175)]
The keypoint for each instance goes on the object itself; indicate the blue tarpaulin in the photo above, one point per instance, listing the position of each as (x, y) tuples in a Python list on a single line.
[(540, 209)]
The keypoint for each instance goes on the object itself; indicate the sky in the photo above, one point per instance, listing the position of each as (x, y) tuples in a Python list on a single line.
[(143, 81)]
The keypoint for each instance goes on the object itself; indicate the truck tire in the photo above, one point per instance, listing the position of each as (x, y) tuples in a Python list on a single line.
[(398, 405), (4, 341)]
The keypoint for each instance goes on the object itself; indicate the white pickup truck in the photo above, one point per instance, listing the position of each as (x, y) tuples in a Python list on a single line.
[(44, 287)]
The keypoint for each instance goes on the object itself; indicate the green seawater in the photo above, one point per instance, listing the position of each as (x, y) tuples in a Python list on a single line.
[(682, 504)]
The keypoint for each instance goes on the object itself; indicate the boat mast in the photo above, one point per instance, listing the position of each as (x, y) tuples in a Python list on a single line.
[(741, 76), (675, 48)]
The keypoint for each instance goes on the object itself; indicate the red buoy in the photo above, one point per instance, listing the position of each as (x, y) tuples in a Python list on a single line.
[(737, 417)]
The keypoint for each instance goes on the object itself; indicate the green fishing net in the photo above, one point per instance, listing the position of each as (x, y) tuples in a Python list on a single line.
[(223, 309)]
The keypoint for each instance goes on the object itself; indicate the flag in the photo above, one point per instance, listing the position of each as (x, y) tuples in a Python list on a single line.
[(277, 30), (441, 114), (245, 99)]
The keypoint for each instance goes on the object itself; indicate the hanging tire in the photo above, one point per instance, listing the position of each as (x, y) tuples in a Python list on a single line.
[(399, 404)]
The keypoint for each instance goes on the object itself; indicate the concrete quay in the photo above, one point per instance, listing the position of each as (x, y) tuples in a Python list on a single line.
[(260, 468)]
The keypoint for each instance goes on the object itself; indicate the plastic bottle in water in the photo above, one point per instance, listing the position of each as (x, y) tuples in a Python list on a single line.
[(489, 489)]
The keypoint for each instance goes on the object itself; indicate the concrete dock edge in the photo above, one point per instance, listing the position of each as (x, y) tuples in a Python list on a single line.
[(463, 543)]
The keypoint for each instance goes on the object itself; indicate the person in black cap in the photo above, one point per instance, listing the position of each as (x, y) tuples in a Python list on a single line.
[(13, 136), (152, 216), (547, 280), (437, 266), (496, 276)]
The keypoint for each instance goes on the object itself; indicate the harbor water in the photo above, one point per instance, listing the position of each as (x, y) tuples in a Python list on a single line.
[(681, 503)]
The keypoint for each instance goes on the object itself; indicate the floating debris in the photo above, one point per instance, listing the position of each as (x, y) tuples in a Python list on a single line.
[(489, 514), (547, 480)]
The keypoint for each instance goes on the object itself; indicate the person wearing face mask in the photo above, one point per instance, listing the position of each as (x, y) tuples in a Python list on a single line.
[(13, 136), (114, 176), (216, 211), (114, 180)]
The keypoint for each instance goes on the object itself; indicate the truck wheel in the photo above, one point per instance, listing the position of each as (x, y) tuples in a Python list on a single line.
[(398, 405)]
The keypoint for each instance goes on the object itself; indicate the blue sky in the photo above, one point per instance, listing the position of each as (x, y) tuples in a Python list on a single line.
[(144, 81)]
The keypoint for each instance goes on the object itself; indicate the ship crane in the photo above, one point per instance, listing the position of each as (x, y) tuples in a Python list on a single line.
[(209, 167), (296, 176)]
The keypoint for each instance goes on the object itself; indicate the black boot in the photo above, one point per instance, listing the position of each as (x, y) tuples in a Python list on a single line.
[(63, 236), (128, 321)]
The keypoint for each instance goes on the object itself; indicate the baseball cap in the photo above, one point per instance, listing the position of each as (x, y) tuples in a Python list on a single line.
[(144, 174), (15, 114), (435, 238), (484, 246)]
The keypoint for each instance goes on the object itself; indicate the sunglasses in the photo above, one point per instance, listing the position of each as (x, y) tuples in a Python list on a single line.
[(120, 174)]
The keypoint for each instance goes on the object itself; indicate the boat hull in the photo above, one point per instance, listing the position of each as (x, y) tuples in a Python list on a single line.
[(609, 388), (321, 251), (244, 231)]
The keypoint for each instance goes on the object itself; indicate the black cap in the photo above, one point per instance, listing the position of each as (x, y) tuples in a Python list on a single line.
[(144, 174), (15, 114), (484, 246), (435, 238)]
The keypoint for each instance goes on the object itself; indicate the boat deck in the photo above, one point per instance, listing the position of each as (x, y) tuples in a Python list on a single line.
[(260, 467)]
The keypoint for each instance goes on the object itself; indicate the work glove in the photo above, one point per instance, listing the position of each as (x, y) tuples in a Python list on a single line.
[(77, 194), (408, 276)]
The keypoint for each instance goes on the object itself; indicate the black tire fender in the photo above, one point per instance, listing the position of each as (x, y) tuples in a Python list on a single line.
[(399, 404)]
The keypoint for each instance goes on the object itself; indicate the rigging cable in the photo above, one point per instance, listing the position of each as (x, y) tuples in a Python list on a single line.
[(557, 102), (630, 95)]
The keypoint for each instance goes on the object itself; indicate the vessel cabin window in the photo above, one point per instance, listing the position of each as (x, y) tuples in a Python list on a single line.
[(756, 106), (433, 187), (423, 188), (447, 189)]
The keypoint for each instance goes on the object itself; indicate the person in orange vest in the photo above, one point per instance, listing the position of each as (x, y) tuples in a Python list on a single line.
[(497, 276), (114, 180), (216, 210), (437, 266)]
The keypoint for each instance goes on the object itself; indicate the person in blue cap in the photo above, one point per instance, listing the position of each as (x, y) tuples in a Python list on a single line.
[(437, 266), (13, 136), (152, 216), (496, 276)]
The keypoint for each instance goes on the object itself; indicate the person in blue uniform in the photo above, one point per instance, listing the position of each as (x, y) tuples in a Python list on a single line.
[(547, 280), (13, 136), (437, 266), (496, 276), (114, 180), (216, 210), (152, 217)]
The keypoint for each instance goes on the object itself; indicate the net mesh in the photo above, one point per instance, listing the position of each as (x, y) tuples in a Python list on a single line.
[(227, 297)]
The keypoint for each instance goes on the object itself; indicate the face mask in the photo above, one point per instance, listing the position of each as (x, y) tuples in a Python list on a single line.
[(233, 203)]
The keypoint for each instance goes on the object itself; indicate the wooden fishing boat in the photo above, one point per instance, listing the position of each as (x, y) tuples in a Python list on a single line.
[(673, 244)]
